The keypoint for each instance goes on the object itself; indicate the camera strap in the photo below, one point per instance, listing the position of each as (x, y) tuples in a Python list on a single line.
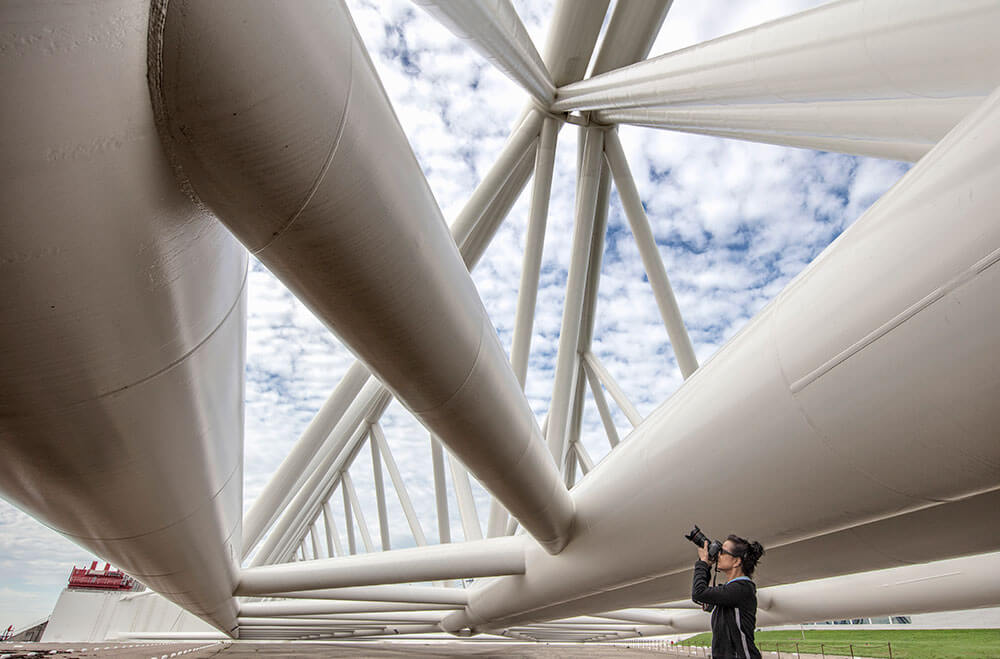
[(715, 577)]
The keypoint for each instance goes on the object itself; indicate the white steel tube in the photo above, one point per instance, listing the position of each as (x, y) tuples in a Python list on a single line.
[(847, 50), (292, 472), (586, 463), (333, 547), (576, 25), (632, 29), (588, 315), (650, 254), (528, 291), (333, 621), (378, 437), (324, 468), (303, 607), (912, 589), (602, 404), (483, 558), (122, 317), (495, 30), (472, 212), (440, 491), (359, 513), (321, 213), (889, 128), (314, 538), (889, 150), (496, 523), (385, 593), (352, 546), (575, 422), (595, 261), (597, 369), (586, 203), (471, 528), (475, 245), (383, 514), (534, 241), (326, 477)]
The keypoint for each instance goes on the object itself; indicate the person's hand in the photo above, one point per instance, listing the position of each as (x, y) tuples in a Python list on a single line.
[(703, 552)]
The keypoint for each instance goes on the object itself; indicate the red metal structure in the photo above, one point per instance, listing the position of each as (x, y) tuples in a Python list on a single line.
[(106, 579)]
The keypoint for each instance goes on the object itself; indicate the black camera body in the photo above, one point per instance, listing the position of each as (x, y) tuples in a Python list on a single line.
[(699, 538)]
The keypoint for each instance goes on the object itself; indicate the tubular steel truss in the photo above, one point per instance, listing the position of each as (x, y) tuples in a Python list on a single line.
[(873, 375)]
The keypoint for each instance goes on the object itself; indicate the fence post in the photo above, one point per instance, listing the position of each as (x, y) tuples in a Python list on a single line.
[(822, 650), (851, 648), (890, 650)]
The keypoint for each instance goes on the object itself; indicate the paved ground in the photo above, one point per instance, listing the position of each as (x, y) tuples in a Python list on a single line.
[(191, 650), (362, 650), (273, 650)]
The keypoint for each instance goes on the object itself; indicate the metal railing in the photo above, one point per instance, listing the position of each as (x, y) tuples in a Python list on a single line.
[(800, 649), (828, 649)]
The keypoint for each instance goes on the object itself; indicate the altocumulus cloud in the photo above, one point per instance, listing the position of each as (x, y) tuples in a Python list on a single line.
[(734, 222)]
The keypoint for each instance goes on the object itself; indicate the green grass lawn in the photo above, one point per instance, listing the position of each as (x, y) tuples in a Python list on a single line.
[(906, 643)]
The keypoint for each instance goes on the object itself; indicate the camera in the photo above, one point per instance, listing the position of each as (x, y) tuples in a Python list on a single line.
[(699, 538)]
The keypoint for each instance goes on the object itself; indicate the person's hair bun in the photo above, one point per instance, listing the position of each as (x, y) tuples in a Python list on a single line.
[(756, 550)]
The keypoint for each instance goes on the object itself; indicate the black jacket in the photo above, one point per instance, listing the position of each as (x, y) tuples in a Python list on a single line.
[(734, 616)]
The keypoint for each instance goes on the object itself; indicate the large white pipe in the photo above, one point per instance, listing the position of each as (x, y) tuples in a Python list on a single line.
[(886, 411), (632, 29), (322, 607), (900, 129), (344, 619), (495, 30), (947, 585), (331, 198), (483, 558), (847, 50), (122, 315), (572, 37), (386, 593)]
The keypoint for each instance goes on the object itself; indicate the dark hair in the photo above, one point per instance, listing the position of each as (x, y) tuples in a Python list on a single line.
[(750, 552)]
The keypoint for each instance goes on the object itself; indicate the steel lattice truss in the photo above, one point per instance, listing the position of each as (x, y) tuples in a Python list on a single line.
[(886, 412)]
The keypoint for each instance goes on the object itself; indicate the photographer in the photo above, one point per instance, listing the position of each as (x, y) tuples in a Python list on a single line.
[(735, 603)]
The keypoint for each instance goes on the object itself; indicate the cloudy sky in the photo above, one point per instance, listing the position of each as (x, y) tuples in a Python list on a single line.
[(735, 222)]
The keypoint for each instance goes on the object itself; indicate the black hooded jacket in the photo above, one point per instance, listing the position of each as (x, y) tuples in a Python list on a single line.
[(734, 616)]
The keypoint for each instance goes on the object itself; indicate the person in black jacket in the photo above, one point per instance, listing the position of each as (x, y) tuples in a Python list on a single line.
[(735, 603)]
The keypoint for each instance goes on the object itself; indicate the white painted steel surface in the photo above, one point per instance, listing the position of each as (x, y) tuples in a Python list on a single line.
[(849, 50), (494, 29), (469, 559), (874, 373), (829, 389), (122, 317), (335, 207), (898, 129)]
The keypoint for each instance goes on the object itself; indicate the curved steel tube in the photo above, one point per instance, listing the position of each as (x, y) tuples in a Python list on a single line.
[(122, 315), (298, 152)]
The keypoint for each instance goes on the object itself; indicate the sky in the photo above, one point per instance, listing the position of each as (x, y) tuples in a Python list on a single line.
[(734, 223)]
